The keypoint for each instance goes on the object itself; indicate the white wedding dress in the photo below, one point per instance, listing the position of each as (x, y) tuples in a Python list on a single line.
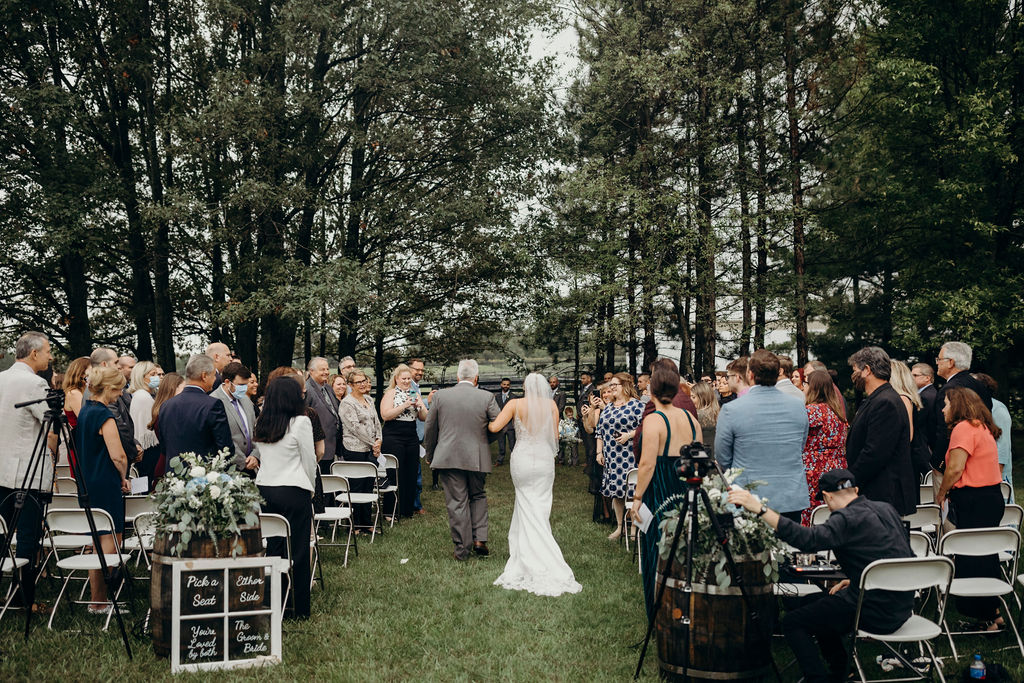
[(535, 562)]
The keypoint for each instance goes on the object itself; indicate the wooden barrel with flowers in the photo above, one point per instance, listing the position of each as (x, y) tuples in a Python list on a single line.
[(728, 640), (194, 498)]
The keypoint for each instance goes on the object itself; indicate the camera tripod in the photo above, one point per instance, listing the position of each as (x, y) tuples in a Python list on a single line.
[(32, 483), (692, 466)]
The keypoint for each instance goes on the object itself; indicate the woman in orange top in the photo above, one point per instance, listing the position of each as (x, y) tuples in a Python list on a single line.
[(971, 482)]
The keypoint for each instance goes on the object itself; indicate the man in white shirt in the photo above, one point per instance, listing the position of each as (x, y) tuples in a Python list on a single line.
[(785, 384), (19, 429)]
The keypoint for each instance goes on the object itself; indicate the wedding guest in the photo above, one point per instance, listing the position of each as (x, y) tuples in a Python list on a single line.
[(320, 397), (816, 366), (319, 504), (785, 384), (797, 378), (74, 388), (125, 364), (121, 408), (1001, 418), (143, 385), (586, 388), (971, 482), (568, 438), (557, 394), (287, 477), (233, 394), (193, 421), (924, 380), (338, 387), (591, 413), (666, 430), (825, 449), (707, 414), (171, 384), (418, 368), (642, 383), (736, 374), (953, 364), (253, 391), (400, 407), (507, 435), (221, 355), (763, 433), (725, 392), (616, 428), (682, 399), (19, 428), (103, 464), (362, 435), (903, 382), (346, 365), (878, 445)]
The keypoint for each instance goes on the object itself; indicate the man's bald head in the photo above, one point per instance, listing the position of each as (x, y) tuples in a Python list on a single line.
[(220, 354), (103, 356)]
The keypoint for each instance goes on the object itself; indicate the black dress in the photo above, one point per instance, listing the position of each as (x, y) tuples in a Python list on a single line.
[(400, 440), (102, 480)]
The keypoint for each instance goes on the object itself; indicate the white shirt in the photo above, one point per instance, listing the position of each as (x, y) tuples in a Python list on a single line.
[(141, 411), (290, 461), (786, 386), (19, 427)]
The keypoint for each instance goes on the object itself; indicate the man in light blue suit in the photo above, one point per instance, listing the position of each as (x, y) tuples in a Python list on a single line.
[(763, 432)]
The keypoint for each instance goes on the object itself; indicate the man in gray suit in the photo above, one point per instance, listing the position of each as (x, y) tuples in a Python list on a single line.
[(241, 414), (320, 398), (456, 443)]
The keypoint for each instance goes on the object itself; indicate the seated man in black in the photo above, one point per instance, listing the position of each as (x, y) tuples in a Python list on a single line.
[(859, 532)]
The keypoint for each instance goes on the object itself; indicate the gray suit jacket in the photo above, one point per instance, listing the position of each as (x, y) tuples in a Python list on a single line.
[(327, 413), (237, 435), (456, 431)]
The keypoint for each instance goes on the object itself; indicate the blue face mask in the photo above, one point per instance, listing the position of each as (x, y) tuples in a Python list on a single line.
[(154, 382), (240, 391)]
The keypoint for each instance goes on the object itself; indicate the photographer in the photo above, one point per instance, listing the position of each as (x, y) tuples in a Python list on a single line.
[(19, 428), (859, 531)]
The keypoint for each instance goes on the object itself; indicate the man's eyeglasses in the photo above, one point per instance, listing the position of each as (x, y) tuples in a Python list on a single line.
[(939, 360)]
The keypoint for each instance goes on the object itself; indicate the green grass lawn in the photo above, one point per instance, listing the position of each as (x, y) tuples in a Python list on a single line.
[(430, 619)]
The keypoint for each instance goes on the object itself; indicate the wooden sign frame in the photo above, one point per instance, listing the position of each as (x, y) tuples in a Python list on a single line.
[(224, 622)]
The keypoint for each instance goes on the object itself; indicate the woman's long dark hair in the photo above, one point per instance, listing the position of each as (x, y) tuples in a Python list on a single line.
[(281, 403), (965, 404)]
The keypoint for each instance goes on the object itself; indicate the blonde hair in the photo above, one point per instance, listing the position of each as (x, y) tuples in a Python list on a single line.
[(396, 373), (706, 404), (74, 378), (139, 372), (903, 382), (102, 378)]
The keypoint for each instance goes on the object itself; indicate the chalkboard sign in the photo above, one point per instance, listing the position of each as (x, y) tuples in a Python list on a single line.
[(222, 614)]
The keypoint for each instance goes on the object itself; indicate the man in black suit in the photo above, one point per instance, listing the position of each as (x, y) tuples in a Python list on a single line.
[(878, 444), (557, 395), (924, 378), (320, 398), (953, 364), (583, 398), (220, 354), (507, 436), (193, 421)]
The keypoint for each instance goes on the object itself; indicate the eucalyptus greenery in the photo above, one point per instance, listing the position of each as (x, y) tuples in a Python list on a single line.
[(749, 538), (211, 498)]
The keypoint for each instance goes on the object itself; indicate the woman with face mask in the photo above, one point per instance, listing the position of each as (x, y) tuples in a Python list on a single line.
[(144, 382)]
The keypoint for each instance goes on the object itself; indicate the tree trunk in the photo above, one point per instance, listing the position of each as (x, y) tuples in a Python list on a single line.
[(743, 177), (796, 185)]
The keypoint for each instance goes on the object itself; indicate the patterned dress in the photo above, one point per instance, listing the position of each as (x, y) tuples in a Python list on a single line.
[(825, 449), (618, 459)]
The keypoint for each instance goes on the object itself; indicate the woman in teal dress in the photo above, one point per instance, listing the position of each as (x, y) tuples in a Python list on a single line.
[(665, 431)]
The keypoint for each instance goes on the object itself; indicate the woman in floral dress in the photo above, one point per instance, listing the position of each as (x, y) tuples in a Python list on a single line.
[(615, 431), (826, 437)]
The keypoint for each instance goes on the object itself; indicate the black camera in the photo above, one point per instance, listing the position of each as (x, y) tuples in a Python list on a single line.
[(694, 461), (54, 400)]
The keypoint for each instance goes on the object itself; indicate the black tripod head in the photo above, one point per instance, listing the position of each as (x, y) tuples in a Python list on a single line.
[(54, 400), (694, 462)]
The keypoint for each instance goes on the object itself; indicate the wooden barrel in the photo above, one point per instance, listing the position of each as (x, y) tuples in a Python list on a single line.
[(726, 643), (160, 592)]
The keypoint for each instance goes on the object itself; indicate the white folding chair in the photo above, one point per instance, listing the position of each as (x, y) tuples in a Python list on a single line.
[(141, 540), (8, 566), (76, 522), (61, 542), (391, 463), (927, 478), (820, 515), (362, 470), (980, 542), (63, 472), (273, 525), (632, 476), (927, 495), (1006, 490), (905, 574), (65, 486), (336, 491), (926, 518), (920, 543), (1013, 516)]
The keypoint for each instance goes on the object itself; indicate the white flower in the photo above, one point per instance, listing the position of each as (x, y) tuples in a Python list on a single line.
[(177, 487), (714, 494), (193, 501), (197, 471), (214, 492)]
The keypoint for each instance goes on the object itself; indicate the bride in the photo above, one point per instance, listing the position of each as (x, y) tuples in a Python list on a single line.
[(535, 562)]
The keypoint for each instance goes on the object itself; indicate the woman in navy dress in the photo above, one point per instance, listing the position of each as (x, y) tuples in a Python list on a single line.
[(103, 464), (615, 431)]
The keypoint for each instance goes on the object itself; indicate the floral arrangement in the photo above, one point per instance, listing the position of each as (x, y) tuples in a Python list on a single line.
[(568, 432), (198, 496), (749, 538)]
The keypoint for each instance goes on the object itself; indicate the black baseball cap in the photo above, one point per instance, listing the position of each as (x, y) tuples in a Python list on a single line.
[(835, 480)]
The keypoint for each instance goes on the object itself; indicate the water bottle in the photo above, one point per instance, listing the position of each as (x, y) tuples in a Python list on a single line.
[(977, 669)]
